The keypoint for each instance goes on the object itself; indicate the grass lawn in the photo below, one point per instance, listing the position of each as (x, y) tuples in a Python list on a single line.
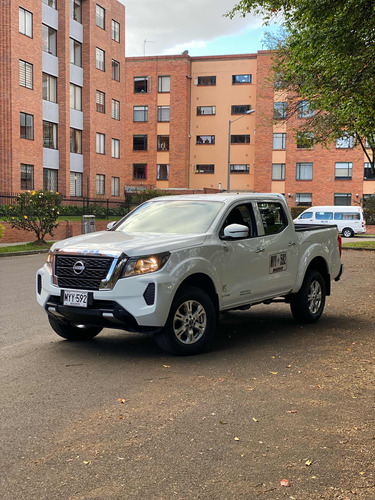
[(25, 248), (360, 244)]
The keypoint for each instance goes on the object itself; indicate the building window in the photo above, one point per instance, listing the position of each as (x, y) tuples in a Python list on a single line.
[(239, 168), (115, 70), (100, 59), (115, 31), (76, 141), (75, 184), (100, 17), (141, 84), (25, 22), (205, 139), (368, 175), (164, 83), (204, 169), (75, 97), (163, 142), (100, 143), (163, 113), (305, 110), (140, 113), (115, 148), (279, 141), (139, 171), (305, 140), (50, 3), (240, 139), (100, 101), (343, 170), (345, 142), (76, 10), (280, 110), (115, 186), (115, 109), (343, 199), (49, 135), (304, 199), (278, 171), (139, 142), (100, 184), (27, 176), (239, 79), (206, 80), (162, 172), (50, 179), (240, 109), (304, 171), (75, 52), (49, 40), (26, 74), (49, 87), (26, 126), (206, 110)]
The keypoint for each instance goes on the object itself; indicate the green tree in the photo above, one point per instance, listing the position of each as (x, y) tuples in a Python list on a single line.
[(35, 211), (327, 56)]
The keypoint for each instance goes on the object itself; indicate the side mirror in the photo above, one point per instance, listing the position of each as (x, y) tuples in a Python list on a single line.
[(111, 224), (236, 231)]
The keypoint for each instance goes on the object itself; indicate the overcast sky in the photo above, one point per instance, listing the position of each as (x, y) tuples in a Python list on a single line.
[(170, 27)]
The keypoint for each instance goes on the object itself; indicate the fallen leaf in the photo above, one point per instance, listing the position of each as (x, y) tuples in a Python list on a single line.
[(166, 366), (255, 420), (121, 400), (292, 411), (236, 438), (274, 373), (250, 388), (289, 366), (86, 462), (308, 463), (284, 482), (223, 423)]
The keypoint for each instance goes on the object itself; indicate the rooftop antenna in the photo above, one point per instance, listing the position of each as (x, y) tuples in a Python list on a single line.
[(144, 45)]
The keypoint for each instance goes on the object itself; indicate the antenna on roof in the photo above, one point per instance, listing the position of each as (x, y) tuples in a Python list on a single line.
[(144, 45)]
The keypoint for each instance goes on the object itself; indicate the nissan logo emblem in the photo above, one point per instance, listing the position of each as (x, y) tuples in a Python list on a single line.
[(79, 267)]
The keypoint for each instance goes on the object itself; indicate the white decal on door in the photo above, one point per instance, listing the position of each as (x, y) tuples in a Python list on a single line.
[(277, 262)]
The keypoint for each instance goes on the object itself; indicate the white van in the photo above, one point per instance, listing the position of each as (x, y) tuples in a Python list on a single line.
[(349, 220)]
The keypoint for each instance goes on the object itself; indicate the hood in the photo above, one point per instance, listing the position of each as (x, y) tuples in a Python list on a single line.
[(132, 244)]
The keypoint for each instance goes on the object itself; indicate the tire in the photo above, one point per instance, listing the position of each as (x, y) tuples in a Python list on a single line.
[(308, 304), (72, 332), (191, 323), (347, 232)]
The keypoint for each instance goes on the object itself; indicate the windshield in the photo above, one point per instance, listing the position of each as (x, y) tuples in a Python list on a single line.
[(170, 216)]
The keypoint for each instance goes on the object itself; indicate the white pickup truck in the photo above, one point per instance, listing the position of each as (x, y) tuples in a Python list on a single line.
[(174, 263)]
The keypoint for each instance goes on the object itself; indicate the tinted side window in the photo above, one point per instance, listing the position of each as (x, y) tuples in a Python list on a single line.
[(241, 214), (324, 215), (307, 215), (273, 217)]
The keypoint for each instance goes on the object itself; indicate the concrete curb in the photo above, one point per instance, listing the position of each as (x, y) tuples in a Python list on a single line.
[(362, 249), (29, 252)]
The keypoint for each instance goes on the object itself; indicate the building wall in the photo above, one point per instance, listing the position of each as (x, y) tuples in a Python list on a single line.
[(178, 99), (222, 95)]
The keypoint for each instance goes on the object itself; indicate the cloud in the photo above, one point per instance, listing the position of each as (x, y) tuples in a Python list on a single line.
[(171, 27)]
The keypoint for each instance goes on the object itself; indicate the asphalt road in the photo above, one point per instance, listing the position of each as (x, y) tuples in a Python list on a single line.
[(116, 418)]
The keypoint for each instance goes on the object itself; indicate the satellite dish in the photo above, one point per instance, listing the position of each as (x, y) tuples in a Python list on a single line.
[(185, 53)]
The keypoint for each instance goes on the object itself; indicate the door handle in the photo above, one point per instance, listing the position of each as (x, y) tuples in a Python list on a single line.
[(291, 243), (259, 250)]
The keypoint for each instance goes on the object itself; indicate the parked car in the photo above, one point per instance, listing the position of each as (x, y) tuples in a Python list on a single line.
[(349, 220), (174, 263)]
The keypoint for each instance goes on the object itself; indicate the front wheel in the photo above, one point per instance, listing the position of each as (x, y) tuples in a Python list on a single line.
[(190, 325), (73, 332), (347, 232), (307, 305)]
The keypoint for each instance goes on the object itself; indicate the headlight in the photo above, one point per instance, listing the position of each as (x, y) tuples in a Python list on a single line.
[(144, 265), (49, 258)]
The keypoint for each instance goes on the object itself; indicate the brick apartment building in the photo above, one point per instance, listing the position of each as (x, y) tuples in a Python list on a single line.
[(78, 117)]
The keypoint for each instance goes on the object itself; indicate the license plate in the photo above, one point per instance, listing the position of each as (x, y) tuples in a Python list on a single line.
[(75, 299)]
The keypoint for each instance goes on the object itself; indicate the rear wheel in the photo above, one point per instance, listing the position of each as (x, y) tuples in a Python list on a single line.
[(73, 332), (347, 232), (307, 305), (190, 325)]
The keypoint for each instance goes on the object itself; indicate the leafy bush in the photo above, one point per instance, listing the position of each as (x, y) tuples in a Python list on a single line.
[(369, 211), (1, 230), (35, 211), (296, 211)]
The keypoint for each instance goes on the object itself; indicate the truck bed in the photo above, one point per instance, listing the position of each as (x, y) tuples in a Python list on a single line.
[(311, 227)]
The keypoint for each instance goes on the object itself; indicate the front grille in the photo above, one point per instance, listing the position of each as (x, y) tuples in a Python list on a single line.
[(95, 270)]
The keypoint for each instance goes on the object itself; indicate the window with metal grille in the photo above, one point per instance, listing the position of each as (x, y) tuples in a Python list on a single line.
[(206, 110)]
